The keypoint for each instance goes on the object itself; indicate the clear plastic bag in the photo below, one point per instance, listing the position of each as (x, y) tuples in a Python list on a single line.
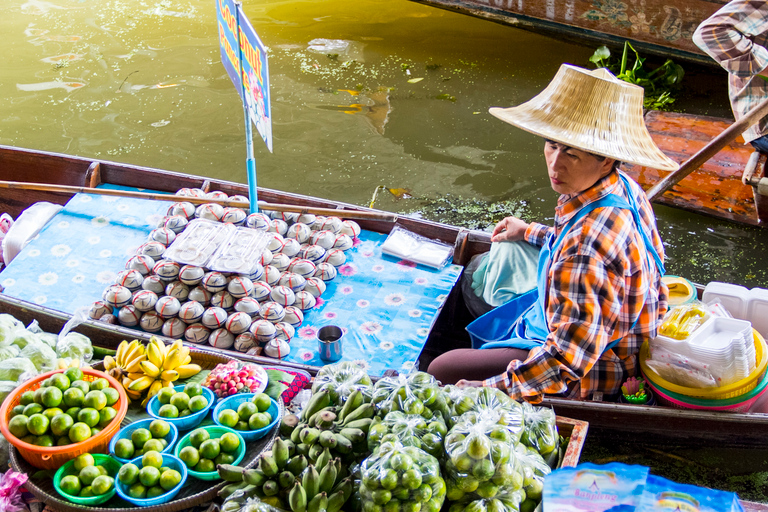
[(681, 321), (236, 377), (237, 502), (681, 370), (504, 501), (484, 402), (404, 476), (535, 470), (416, 393), (73, 345), (410, 430), (410, 246), (481, 460), (540, 431), (341, 379)]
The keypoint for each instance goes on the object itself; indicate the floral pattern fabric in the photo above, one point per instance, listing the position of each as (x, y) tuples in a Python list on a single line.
[(385, 307)]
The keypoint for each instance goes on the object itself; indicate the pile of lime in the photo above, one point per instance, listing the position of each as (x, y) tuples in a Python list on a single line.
[(177, 404), (151, 480), (203, 453), (64, 410), (90, 480), (251, 415), (144, 440)]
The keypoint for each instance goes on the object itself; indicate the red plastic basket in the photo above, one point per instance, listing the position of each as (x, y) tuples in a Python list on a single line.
[(55, 457)]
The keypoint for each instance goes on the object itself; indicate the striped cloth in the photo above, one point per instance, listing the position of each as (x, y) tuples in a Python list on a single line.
[(597, 287), (736, 36)]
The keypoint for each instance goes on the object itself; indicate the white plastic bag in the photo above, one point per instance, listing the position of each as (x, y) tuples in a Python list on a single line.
[(26, 227)]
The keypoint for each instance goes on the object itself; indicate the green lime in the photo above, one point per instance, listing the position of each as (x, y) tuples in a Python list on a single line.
[(149, 476), (33, 409), (259, 420), (128, 474), (246, 409), (159, 428), (46, 441), (229, 418), (60, 381), (198, 436), (180, 400), (86, 492), (81, 385), (170, 479), (28, 397), (53, 411), (102, 485), (411, 479), (185, 412), (205, 466), (18, 426), (137, 491), (140, 436), (83, 461), (224, 458), (70, 484), (189, 456), (241, 425), (152, 459), (168, 411), (19, 409), (193, 389), (73, 412), (106, 415), (99, 384), (197, 403), (153, 445), (88, 474), (210, 449), (388, 479), (60, 424), (88, 416), (73, 374), (95, 431), (79, 432), (73, 397), (39, 395), (95, 399), (112, 395), (164, 395), (155, 491), (38, 424), (52, 397), (63, 441), (124, 449), (29, 438), (262, 401), (229, 442)]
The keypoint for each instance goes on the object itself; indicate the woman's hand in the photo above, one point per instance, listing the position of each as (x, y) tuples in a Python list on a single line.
[(510, 229), (463, 383)]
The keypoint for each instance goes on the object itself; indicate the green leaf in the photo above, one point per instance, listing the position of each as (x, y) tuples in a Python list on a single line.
[(600, 55), (279, 376), (275, 389), (415, 80)]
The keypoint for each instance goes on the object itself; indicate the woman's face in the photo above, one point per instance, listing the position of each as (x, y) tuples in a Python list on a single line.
[(572, 170)]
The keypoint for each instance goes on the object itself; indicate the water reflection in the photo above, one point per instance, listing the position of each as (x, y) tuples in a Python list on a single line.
[(390, 93)]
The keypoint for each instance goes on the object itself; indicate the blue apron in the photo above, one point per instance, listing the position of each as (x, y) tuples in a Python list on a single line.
[(499, 329)]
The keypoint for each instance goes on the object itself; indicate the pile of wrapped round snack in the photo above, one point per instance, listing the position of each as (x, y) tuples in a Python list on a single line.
[(255, 308)]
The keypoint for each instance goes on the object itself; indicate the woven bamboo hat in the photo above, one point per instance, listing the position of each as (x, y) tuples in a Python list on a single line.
[(593, 111)]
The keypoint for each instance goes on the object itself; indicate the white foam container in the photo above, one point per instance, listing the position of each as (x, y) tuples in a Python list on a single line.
[(757, 310), (733, 297)]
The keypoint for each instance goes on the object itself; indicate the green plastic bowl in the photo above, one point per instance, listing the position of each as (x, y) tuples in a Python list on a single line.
[(215, 432), (111, 465)]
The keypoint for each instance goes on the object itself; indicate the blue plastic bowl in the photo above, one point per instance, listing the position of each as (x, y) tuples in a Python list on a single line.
[(187, 422), (125, 433), (169, 461), (234, 401), (215, 432)]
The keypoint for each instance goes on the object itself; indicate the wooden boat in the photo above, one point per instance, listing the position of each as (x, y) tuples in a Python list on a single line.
[(654, 26), (25, 165)]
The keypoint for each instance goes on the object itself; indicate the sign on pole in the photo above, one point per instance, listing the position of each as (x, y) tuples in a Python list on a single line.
[(245, 59)]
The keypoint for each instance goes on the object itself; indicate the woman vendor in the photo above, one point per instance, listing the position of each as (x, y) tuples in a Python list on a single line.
[(599, 293)]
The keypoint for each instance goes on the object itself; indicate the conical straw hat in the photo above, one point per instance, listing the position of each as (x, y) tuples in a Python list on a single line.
[(593, 111)]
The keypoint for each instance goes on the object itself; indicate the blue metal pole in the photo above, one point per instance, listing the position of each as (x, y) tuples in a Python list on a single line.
[(250, 162)]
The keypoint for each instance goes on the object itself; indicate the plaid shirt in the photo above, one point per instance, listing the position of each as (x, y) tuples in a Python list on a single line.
[(597, 288), (736, 37)]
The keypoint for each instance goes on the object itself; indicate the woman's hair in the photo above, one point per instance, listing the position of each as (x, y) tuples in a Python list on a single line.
[(600, 158)]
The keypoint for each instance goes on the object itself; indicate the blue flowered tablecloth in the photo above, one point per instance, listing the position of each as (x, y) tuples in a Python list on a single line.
[(385, 307)]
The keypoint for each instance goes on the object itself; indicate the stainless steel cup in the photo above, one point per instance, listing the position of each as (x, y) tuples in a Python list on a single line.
[(329, 343)]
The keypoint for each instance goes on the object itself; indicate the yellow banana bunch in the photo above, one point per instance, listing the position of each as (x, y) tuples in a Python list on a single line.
[(149, 368)]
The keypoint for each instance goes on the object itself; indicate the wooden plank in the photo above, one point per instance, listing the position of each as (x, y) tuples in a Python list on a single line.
[(576, 430), (661, 27)]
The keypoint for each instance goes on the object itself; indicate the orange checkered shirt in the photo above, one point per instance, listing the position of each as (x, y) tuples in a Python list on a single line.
[(597, 288)]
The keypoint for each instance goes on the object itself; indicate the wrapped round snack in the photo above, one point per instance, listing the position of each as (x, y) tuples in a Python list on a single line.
[(99, 309), (313, 253), (151, 321), (245, 341), (305, 300), (214, 317), (176, 223), (503, 501), (166, 270), (240, 287), (278, 226), (335, 257), (401, 476), (191, 275), (142, 263), (248, 305), (129, 316), (315, 286), (221, 338), (210, 211), (216, 194), (480, 459), (234, 215), (271, 275), (223, 300), (183, 208), (191, 192), (144, 300), (350, 228), (324, 239), (415, 393), (299, 232), (280, 261), (332, 224), (341, 379), (304, 268), (163, 235), (131, 279), (201, 295), (174, 328), (167, 307), (214, 282), (293, 316), (256, 272), (238, 323), (325, 271), (410, 430), (283, 295), (152, 249), (191, 312), (261, 291), (263, 330), (292, 280)]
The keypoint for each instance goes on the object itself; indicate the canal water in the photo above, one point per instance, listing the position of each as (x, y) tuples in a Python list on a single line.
[(375, 93)]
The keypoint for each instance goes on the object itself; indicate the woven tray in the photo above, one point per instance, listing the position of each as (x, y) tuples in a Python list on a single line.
[(195, 492)]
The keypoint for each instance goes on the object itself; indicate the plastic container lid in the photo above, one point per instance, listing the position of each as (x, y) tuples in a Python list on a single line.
[(757, 309), (732, 296)]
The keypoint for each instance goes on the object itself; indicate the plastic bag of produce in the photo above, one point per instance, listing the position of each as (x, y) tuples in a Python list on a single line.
[(410, 430), (236, 377), (481, 460), (504, 501), (8, 324), (535, 470), (486, 401), (402, 478), (8, 351), (41, 355), (237, 503), (17, 370), (341, 379), (22, 337), (415, 393), (73, 344), (540, 430)]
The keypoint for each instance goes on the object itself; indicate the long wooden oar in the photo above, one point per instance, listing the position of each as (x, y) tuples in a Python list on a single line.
[(710, 150), (347, 214)]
